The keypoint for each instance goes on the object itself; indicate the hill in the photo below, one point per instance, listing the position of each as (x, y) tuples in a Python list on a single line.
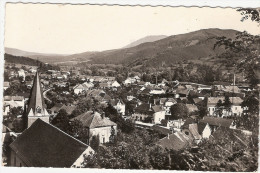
[(21, 60), (49, 58), (189, 46), (146, 39), (195, 46)]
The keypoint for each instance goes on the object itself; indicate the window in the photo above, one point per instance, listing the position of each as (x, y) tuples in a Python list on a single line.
[(103, 140), (186, 133), (20, 164)]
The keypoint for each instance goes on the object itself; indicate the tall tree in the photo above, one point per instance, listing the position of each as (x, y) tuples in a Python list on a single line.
[(179, 111), (219, 108)]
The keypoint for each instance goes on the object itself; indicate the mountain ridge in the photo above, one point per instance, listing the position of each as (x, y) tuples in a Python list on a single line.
[(171, 49)]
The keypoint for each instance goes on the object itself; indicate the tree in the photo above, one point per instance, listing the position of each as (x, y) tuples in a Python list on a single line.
[(227, 104), (77, 130), (245, 46), (61, 120), (179, 111), (112, 135), (249, 118), (219, 108), (227, 150), (15, 111), (159, 158), (94, 142), (250, 13)]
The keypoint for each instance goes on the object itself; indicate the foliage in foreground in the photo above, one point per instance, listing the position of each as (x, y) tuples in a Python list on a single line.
[(226, 150)]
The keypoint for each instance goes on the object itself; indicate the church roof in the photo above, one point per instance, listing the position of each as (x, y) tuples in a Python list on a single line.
[(44, 145), (36, 97)]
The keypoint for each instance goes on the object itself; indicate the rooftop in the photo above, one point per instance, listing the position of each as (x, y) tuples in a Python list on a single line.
[(44, 145)]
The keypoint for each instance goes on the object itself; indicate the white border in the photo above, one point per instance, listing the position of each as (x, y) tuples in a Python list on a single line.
[(173, 3)]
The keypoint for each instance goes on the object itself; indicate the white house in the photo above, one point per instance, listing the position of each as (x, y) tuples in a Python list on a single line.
[(236, 108), (204, 130), (14, 101), (120, 107), (97, 125), (157, 91), (6, 85), (115, 84), (159, 114), (21, 73), (167, 105), (78, 89)]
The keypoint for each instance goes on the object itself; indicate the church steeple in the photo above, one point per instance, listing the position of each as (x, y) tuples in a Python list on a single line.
[(36, 107), (36, 102)]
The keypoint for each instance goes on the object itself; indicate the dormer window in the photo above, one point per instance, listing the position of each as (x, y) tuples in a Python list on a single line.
[(38, 110)]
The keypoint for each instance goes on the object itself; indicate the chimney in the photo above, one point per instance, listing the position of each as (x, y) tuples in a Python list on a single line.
[(168, 136)]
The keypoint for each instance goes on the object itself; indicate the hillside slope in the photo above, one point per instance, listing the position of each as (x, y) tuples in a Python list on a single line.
[(21, 60), (146, 39), (193, 45)]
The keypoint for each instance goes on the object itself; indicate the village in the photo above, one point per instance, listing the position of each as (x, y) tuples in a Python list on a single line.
[(89, 112), (130, 87)]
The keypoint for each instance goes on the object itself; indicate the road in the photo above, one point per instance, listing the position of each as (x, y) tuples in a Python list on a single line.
[(44, 95)]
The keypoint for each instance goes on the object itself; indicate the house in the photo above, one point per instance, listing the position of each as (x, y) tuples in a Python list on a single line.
[(137, 78), (159, 114), (163, 131), (236, 108), (204, 87), (204, 130), (97, 125), (176, 141), (119, 106), (182, 93), (128, 81), (115, 84), (14, 101), (231, 89), (6, 85), (32, 70), (143, 111), (88, 85), (130, 98), (59, 77), (167, 104), (215, 122), (157, 91), (44, 145), (174, 124), (103, 85), (191, 130), (11, 102), (189, 87), (79, 89), (21, 73)]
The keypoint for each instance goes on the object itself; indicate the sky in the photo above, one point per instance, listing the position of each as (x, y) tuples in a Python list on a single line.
[(69, 29)]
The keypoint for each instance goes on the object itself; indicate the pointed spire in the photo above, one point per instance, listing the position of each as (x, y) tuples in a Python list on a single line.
[(36, 100)]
